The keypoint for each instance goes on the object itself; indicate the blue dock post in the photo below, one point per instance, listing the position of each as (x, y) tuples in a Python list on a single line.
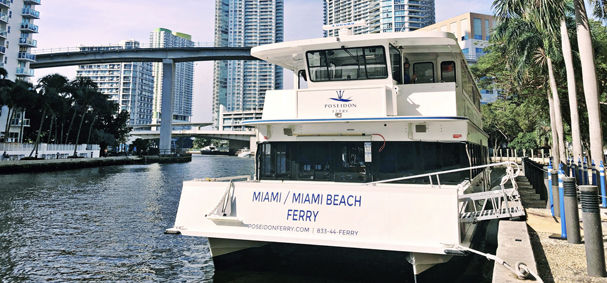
[(594, 180), (602, 177), (585, 167), (562, 202), (550, 187), (580, 174), (573, 168)]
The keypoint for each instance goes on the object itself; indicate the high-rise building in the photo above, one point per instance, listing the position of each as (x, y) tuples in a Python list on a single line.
[(183, 84), (130, 84), (472, 31), (16, 41), (380, 16), (240, 86)]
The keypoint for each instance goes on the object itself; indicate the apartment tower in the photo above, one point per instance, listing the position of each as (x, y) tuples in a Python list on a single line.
[(184, 76), (380, 16), (17, 28), (239, 87), (130, 84)]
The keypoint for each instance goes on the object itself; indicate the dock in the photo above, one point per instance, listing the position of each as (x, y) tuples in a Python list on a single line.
[(554, 260), (46, 165)]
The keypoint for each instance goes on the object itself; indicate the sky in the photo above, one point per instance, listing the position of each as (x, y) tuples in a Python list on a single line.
[(69, 23)]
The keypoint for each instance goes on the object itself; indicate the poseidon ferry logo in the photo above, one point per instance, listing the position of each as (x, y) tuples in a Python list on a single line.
[(340, 96)]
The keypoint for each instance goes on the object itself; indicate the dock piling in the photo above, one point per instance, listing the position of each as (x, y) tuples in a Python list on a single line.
[(593, 232), (571, 211)]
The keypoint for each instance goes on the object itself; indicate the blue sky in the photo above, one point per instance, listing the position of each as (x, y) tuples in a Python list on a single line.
[(68, 23)]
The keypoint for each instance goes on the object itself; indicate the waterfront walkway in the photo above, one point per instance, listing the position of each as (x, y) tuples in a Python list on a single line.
[(33, 166), (556, 260)]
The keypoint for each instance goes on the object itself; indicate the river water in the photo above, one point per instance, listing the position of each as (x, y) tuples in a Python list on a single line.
[(106, 225)]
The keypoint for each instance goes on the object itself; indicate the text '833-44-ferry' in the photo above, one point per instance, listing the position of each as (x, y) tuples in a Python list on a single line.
[(382, 150)]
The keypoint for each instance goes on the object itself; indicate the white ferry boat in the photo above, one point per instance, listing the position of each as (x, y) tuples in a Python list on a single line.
[(367, 154)]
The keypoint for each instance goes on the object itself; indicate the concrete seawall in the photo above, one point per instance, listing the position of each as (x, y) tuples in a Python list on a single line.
[(32, 166)]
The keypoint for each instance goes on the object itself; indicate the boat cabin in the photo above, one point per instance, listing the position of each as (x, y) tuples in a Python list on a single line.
[(370, 107)]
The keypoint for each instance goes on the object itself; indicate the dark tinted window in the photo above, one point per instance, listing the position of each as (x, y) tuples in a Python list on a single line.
[(447, 70)]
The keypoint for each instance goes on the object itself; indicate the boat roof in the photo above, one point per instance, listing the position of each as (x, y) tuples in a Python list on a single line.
[(290, 55)]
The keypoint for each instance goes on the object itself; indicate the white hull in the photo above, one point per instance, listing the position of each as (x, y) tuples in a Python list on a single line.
[(394, 217)]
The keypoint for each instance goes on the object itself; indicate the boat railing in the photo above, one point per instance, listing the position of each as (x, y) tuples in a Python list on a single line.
[(248, 177), (508, 164)]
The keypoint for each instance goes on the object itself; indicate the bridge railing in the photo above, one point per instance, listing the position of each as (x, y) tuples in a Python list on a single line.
[(109, 47)]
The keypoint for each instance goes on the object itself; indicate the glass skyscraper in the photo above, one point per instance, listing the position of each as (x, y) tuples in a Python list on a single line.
[(381, 16), (183, 84), (240, 86)]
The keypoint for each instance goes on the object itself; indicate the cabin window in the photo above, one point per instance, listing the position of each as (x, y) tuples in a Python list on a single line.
[(397, 67), (360, 63), (424, 72), (448, 71), (345, 161)]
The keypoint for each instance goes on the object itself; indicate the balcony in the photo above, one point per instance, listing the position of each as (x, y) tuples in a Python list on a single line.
[(24, 72), (30, 13), (5, 3), (31, 2), (28, 42), (24, 56), (28, 27), (3, 33), (17, 122), (4, 18), (2, 50)]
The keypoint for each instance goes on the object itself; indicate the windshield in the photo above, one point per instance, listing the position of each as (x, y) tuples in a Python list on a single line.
[(360, 63)]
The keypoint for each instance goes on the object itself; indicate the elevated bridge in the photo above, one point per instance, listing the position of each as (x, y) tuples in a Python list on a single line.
[(167, 56), (238, 139)]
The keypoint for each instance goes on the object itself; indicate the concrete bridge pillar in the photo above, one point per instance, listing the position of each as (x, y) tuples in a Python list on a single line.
[(166, 115)]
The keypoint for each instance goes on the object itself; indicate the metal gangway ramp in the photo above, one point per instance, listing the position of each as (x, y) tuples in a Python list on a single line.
[(499, 203)]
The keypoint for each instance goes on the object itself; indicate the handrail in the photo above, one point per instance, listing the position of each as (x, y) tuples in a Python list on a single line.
[(248, 177), (447, 172)]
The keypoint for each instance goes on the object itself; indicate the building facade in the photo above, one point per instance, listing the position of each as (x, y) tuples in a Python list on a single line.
[(380, 15), (17, 28), (472, 31), (240, 86), (130, 84), (183, 85)]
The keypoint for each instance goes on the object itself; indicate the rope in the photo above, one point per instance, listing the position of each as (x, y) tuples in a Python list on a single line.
[(520, 268)]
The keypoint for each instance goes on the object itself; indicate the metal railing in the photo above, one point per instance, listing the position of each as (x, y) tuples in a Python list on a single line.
[(536, 173), (436, 174), (110, 47)]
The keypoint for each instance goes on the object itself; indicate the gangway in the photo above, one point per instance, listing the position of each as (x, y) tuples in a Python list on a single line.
[(503, 203)]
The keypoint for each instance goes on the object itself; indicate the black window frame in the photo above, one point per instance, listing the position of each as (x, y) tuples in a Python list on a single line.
[(454, 71), (327, 64), (433, 72)]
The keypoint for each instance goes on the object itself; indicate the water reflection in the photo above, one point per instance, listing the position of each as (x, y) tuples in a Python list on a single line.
[(104, 224)]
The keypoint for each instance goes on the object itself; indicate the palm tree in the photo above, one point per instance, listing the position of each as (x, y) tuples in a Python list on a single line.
[(77, 89), (527, 51), (549, 18), (49, 86), (87, 95), (584, 40)]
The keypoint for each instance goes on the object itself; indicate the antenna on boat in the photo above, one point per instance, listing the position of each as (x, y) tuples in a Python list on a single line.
[(344, 27)]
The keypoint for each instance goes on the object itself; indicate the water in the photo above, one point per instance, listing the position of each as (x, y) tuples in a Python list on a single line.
[(106, 225)]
